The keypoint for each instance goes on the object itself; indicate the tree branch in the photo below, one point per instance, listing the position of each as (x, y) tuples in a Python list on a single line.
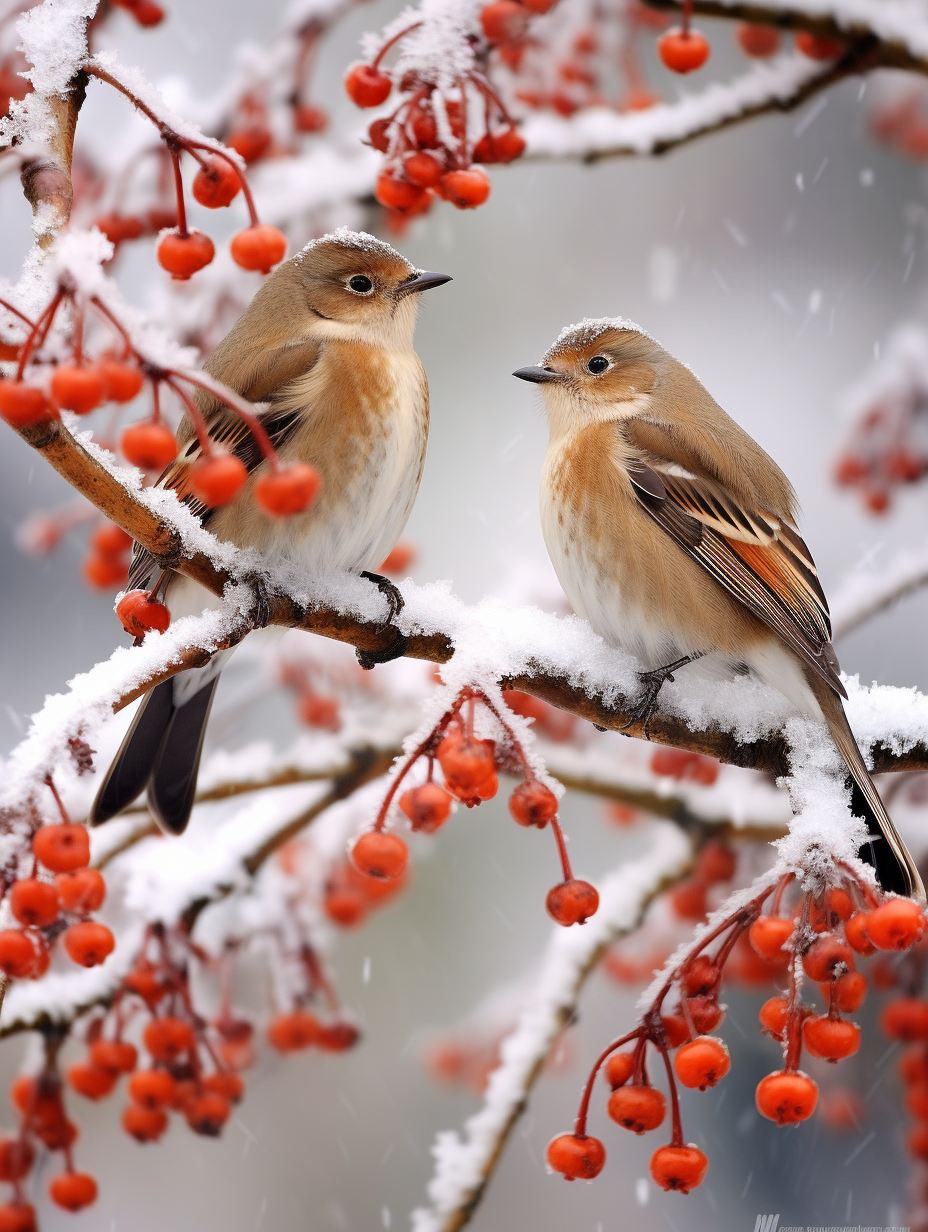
[(46, 180)]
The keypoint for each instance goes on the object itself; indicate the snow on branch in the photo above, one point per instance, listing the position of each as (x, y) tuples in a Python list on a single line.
[(465, 1163), (866, 592)]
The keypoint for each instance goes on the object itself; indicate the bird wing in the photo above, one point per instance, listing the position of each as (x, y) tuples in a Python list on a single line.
[(759, 558), (227, 430)]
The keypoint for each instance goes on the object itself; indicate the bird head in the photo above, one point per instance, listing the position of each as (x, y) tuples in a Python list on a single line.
[(596, 371), (356, 287)]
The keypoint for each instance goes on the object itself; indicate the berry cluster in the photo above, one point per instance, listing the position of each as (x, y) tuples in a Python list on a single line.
[(469, 767), (887, 450), (42, 386), (816, 938)]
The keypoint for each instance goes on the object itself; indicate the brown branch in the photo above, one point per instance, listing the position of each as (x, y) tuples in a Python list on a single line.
[(47, 179), (102, 489)]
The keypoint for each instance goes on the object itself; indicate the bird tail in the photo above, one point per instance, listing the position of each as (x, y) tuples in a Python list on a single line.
[(161, 750), (884, 850)]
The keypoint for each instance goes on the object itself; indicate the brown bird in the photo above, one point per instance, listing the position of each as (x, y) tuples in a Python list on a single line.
[(326, 346), (674, 535)]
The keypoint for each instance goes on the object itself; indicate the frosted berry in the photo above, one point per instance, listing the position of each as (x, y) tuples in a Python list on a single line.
[(123, 382), (466, 763), (81, 891), (89, 943), (465, 189), (73, 1190), (619, 1068), (34, 902), (683, 51), (769, 934), (217, 184), (152, 1088), (759, 42), (117, 1055), (169, 1038), (572, 902), (706, 1013), (855, 930), (62, 847), (397, 194), (533, 804), (504, 147), (78, 389), (377, 854), (366, 86), (832, 1039), (896, 924), (183, 255), (378, 134), (904, 1019), (679, 1168), (427, 807), (259, 247), (293, 1032), (774, 1015), (145, 1124), (423, 169), (504, 21), (139, 614), (91, 1081), (849, 991), (702, 1062), (825, 956), (218, 478), (638, 1109), (787, 1097), (576, 1156), (700, 975), (22, 405), (150, 446), (290, 490)]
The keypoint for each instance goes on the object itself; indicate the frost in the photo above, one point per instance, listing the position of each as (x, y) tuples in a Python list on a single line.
[(588, 330)]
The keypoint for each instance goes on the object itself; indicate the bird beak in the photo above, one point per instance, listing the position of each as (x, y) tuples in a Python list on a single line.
[(538, 376), (421, 282)]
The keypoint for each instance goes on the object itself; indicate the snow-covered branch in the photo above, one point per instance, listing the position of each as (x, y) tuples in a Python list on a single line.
[(865, 593)]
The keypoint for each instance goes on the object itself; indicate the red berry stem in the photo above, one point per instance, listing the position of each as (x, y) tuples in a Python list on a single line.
[(318, 979), (179, 190), (687, 17), (196, 415), (491, 96), (191, 146), (562, 849), (390, 42), (50, 784), (39, 333), (676, 1135), (583, 1110), (16, 313), (238, 405)]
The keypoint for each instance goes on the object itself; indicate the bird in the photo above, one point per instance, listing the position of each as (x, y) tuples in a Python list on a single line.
[(325, 349), (674, 535)]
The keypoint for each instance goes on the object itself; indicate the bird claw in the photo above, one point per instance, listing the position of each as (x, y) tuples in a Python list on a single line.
[(396, 648), (262, 603), (652, 683)]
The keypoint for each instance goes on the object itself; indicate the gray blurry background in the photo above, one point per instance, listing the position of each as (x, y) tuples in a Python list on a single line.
[(720, 250)]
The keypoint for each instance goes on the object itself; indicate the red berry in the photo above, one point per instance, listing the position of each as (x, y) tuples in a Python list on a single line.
[(366, 86), (292, 1032), (768, 936), (715, 862), (152, 1088), (855, 930), (824, 956), (323, 712), (702, 1062), (876, 499), (22, 405), (787, 1097), (504, 21), (850, 991), (337, 1036), (619, 1068), (146, 12), (150, 446), (377, 854), (533, 804), (78, 389), (62, 847), (18, 953), (679, 1168), (17, 1217), (466, 763), (904, 1019), (896, 924), (818, 48), (688, 898), (217, 184), (422, 169), (16, 1158), (218, 478), (700, 976), (105, 572), (229, 1086), (683, 51), (424, 128), (310, 119), (183, 255), (902, 466), (160, 218), (465, 189), (81, 891), (143, 1123), (34, 902), (344, 906), (91, 1081), (757, 41), (398, 194), (167, 1039), (379, 134), (110, 540), (258, 247), (676, 1030), (706, 1013), (427, 807), (89, 943), (138, 613), (73, 1190), (119, 1056), (576, 1156), (832, 1039), (123, 382), (207, 1113), (637, 1108), (289, 490), (850, 470), (119, 227), (251, 141), (502, 147), (145, 984), (572, 902)]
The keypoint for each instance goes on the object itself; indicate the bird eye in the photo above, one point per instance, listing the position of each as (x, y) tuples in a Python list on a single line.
[(361, 283), (597, 364)]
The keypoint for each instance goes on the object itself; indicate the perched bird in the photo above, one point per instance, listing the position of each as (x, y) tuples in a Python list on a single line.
[(674, 535), (326, 346)]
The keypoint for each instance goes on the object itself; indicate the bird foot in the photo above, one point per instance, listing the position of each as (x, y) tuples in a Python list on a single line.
[(261, 617), (652, 683), (396, 648)]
